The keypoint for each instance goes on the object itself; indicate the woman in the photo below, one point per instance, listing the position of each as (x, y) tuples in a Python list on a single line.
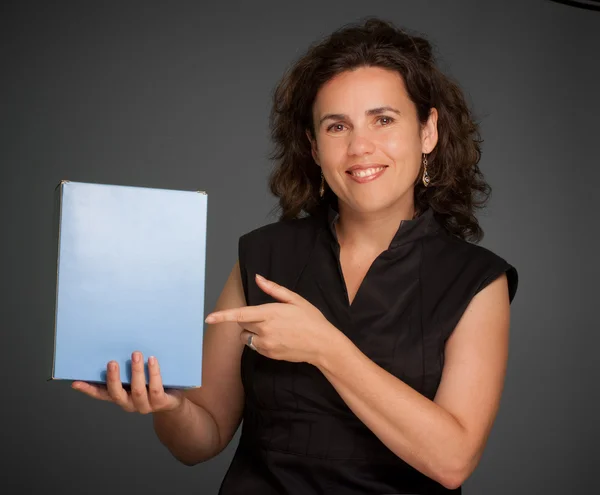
[(362, 338)]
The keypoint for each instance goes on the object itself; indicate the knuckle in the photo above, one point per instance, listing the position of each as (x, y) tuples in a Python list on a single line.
[(155, 391), (138, 393), (112, 378), (114, 397)]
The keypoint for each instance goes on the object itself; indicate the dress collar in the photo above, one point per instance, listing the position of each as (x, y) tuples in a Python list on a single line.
[(409, 230)]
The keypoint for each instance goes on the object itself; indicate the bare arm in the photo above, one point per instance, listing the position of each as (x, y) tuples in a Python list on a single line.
[(443, 438), (209, 416)]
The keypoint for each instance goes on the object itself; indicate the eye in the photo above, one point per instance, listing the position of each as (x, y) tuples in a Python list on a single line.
[(335, 127), (386, 120)]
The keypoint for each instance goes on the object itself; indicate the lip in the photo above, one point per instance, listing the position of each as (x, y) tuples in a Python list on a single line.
[(370, 178), (365, 166)]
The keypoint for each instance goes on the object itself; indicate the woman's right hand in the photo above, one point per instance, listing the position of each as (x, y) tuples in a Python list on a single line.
[(142, 399)]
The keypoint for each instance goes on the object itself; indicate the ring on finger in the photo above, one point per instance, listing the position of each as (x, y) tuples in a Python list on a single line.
[(250, 344)]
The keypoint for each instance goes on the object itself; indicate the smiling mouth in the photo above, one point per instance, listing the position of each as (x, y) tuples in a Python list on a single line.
[(365, 172), (366, 175)]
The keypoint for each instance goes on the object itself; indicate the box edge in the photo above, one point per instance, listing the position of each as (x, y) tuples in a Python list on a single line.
[(58, 198)]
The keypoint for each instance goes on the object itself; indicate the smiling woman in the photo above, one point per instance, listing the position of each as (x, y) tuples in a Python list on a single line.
[(362, 338), (377, 336)]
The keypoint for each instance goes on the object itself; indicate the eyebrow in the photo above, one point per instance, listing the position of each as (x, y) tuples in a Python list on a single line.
[(372, 111)]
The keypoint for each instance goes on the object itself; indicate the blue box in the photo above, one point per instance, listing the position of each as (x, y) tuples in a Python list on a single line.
[(130, 276)]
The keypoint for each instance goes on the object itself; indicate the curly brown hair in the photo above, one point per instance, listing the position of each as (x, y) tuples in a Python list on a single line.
[(457, 185)]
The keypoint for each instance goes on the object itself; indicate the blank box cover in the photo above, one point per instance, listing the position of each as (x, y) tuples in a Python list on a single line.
[(130, 276)]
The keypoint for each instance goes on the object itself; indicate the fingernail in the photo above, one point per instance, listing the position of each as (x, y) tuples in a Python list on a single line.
[(260, 277), (209, 319), (136, 357), (112, 366), (151, 360)]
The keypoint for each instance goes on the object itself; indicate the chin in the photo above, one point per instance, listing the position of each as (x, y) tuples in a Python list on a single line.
[(373, 204)]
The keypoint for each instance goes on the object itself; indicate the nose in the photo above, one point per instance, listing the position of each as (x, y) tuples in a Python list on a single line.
[(360, 144)]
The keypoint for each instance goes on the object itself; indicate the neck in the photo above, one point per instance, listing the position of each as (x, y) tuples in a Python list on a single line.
[(371, 231)]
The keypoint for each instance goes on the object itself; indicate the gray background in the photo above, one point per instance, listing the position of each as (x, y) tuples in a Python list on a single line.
[(176, 95)]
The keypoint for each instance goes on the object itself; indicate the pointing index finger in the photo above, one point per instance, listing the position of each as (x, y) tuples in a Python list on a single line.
[(239, 315)]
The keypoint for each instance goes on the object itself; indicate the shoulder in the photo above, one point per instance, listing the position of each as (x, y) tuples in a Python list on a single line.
[(453, 272), (278, 251), (281, 228), (456, 261), (281, 235)]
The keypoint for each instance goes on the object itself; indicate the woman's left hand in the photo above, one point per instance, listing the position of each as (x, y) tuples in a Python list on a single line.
[(291, 330)]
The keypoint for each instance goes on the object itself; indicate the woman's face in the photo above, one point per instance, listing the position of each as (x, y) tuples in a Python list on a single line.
[(368, 140)]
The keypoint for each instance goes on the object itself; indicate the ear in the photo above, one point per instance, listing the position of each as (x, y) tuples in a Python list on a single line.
[(313, 147), (429, 132)]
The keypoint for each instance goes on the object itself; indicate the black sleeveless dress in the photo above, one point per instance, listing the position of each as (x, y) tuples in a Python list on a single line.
[(298, 436)]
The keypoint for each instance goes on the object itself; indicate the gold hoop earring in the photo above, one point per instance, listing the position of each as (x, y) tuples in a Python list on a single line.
[(426, 179), (322, 188)]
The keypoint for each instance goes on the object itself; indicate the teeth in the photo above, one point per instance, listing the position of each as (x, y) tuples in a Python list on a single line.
[(366, 172)]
